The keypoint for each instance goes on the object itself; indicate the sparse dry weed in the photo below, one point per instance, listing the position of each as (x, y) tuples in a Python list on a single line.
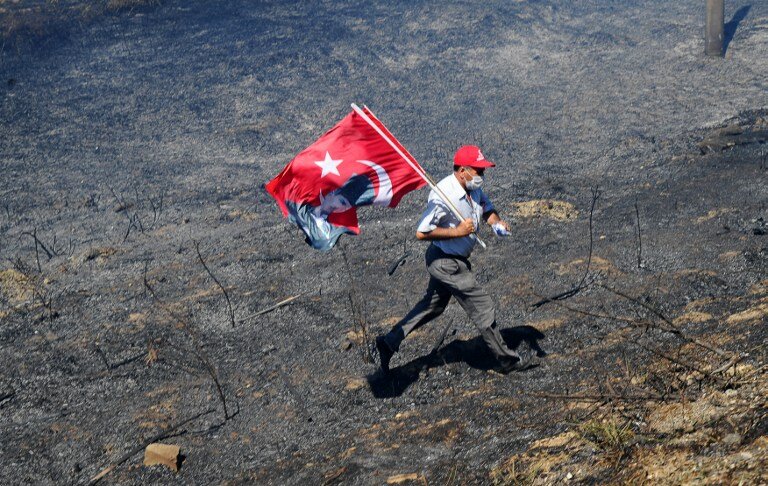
[(546, 208), (607, 434), (512, 474)]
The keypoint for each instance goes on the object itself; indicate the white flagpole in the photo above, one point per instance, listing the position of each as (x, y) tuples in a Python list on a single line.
[(419, 170)]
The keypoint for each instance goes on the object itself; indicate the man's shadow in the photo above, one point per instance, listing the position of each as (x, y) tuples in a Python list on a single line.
[(729, 29), (474, 352)]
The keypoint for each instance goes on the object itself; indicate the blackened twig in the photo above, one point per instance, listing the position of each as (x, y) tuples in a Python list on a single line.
[(122, 207), (128, 360), (581, 285), (639, 238), (355, 305), (131, 225), (7, 394), (728, 364), (595, 196), (103, 356), (599, 397), (40, 244), (393, 266), (647, 324), (273, 307), (200, 353), (223, 290), (121, 204), (136, 216), (561, 296), (37, 253), (156, 208), (677, 361), (672, 327), (124, 362)]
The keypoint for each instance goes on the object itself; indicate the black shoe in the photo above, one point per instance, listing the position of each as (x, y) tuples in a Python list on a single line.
[(385, 353), (521, 364)]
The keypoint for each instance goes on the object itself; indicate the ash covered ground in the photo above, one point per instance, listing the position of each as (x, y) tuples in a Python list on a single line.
[(132, 136)]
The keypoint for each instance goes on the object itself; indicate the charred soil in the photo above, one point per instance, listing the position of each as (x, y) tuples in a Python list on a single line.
[(138, 245)]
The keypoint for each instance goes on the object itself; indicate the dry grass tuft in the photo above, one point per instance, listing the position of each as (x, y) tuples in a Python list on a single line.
[(607, 435), (545, 208), (16, 287), (152, 355), (511, 474), (754, 314)]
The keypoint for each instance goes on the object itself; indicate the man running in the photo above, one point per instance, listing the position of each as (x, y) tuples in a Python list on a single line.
[(447, 259)]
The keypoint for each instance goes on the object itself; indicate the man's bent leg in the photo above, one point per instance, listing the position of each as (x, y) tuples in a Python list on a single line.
[(479, 306), (430, 306)]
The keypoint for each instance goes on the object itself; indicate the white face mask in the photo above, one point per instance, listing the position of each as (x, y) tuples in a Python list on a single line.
[(475, 183)]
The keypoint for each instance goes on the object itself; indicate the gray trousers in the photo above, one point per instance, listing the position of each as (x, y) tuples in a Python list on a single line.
[(452, 276)]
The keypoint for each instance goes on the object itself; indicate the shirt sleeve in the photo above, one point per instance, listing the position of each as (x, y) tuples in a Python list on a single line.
[(485, 202), (432, 217)]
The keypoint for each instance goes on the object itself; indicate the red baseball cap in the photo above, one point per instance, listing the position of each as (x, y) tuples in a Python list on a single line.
[(471, 156)]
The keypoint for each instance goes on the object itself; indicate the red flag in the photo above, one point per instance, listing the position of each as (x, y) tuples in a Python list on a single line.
[(351, 165)]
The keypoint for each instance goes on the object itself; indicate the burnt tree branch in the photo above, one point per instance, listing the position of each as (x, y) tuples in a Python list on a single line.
[(646, 324), (38, 244), (639, 238), (677, 360), (223, 290), (671, 327), (356, 307), (583, 282), (604, 397), (202, 356), (273, 307)]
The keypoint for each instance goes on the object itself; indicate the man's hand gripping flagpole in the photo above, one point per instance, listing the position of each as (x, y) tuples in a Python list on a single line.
[(415, 166)]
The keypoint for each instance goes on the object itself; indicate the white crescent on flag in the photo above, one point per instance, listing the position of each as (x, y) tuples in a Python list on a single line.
[(384, 196)]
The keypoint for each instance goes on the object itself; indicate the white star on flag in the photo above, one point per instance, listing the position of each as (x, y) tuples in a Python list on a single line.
[(329, 165)]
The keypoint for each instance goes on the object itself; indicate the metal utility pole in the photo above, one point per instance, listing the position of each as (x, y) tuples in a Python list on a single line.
[(713, 36)]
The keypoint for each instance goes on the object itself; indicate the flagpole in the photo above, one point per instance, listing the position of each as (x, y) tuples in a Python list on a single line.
[(418, 169), (415, 166)]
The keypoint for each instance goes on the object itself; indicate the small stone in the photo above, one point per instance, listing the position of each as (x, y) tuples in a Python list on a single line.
[(746, 456), (569, 476), (732, 439), (165, 454), (403, 478), (355, 384), (268, 348), (731, 392)]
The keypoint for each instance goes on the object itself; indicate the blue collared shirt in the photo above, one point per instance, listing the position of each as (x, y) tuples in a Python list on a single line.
[(439, 215)]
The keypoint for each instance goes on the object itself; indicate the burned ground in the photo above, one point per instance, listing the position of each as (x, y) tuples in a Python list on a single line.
[(131, 136)]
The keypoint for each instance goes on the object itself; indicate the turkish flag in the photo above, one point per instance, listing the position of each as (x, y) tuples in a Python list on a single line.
[(351, 165)]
